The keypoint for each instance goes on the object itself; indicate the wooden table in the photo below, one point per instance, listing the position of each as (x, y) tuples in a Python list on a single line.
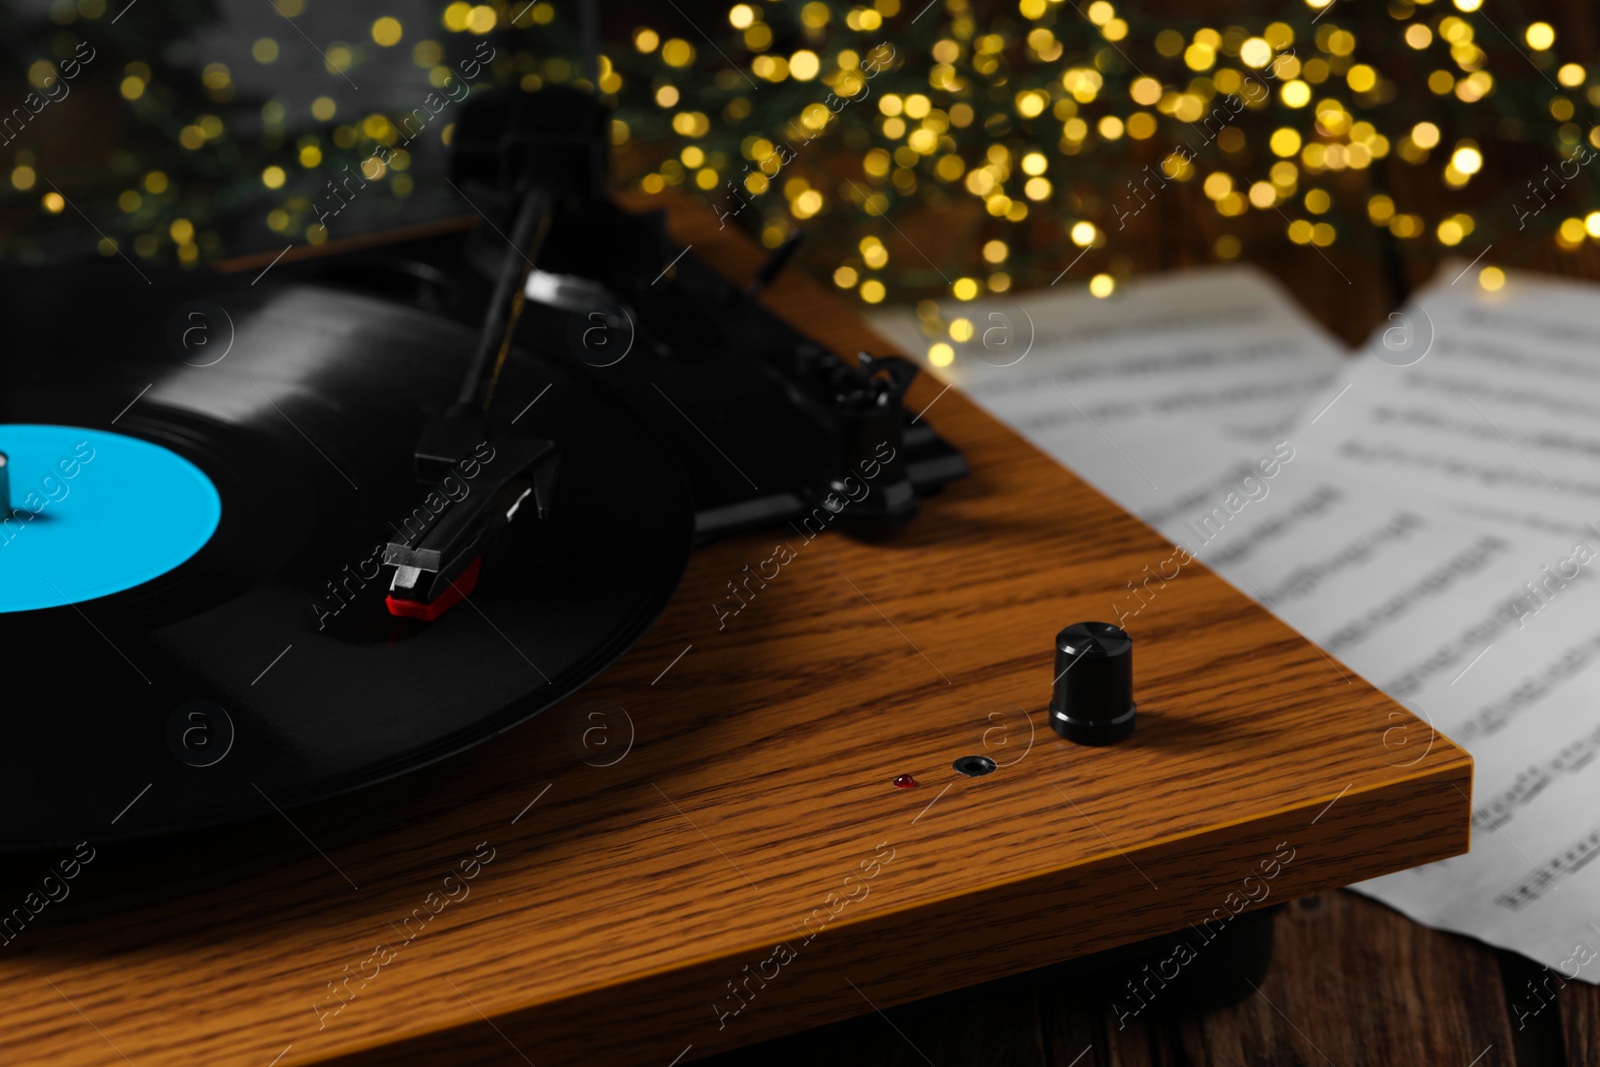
[(1352, 983)]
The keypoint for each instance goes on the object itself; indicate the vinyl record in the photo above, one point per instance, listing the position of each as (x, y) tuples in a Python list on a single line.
[(203, 472)]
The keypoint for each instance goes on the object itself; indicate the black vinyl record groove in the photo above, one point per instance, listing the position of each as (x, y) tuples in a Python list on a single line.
[(306, 427)]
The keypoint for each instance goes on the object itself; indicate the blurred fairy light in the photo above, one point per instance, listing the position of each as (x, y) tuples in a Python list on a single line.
[(1039, 136), (1323, 82)]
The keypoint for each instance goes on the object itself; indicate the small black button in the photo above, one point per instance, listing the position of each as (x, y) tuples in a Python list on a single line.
[(974, 766)]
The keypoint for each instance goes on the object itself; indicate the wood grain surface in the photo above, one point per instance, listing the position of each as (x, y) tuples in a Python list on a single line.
[(1353, 983), (617, 914)]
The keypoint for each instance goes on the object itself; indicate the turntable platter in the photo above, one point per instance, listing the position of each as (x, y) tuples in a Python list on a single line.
[(196, 617)]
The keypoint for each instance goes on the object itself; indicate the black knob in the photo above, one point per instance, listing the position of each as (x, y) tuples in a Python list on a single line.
[(1092, 700)]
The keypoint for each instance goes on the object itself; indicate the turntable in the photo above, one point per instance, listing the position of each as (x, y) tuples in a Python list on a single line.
[(777, 632)]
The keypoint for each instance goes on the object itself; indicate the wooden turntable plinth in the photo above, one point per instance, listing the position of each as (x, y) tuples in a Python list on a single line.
[(748, 867)]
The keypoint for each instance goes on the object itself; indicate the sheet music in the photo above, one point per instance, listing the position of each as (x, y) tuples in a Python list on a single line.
[(1435, 609), (1486, 401), (1426, 551), (1489, 423), (1099, 382)]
